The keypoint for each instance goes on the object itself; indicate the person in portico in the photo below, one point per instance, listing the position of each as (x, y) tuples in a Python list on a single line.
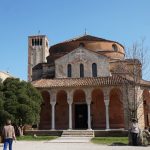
[(80, 79)]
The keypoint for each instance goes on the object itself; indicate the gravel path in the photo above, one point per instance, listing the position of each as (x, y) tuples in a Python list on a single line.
[(66, 143)]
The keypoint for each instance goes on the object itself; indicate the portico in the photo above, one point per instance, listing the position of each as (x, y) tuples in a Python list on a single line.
[(83, 108)]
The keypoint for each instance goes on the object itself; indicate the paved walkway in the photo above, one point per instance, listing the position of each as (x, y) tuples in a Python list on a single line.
[(66, 143), (71, 140)]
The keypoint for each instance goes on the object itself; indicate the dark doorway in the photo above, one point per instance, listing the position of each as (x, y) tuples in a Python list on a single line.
[(81, 116)]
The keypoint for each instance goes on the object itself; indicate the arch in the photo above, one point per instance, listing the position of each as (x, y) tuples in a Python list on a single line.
[(45, 114), (94, 70), (38, 42), (81, 70), (116, 111), (79, 110), (98, 118), (61, 110), (69, 70), (114, 47), (146, 106), (41, 41), (79, 96), (33, 42)]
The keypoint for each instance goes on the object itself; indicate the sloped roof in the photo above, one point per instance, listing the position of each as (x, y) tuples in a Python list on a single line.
[(79, 82)]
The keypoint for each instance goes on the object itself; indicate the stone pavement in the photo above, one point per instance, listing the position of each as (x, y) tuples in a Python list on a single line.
[(71, 140), (68, 143)]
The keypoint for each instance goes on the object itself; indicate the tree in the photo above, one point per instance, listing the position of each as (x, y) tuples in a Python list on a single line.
[(138, 56), (21, 102), (132, 69)]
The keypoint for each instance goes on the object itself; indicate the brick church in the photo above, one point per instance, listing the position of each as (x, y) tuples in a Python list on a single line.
[(86, 83)]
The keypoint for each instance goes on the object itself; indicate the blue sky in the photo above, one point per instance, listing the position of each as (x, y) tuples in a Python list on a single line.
[(125, 21)]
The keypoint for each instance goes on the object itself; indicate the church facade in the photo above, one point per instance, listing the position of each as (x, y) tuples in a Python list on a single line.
[(86, 83)]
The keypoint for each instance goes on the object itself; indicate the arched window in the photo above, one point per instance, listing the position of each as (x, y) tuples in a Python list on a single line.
[(94, 70), (40, 41), (81, 70), (114, 47), (33, 42), (36, 42), (69, 70)]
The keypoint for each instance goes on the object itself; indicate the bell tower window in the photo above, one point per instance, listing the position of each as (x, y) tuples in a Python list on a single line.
[(33, 42), (40, 41)]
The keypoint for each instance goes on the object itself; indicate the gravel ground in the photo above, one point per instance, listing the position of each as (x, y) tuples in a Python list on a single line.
[(68, 144)]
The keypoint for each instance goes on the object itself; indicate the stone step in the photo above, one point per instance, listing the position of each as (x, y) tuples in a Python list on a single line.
[(77, 133)]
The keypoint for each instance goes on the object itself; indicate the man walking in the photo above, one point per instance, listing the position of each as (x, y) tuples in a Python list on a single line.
[(9, 135)]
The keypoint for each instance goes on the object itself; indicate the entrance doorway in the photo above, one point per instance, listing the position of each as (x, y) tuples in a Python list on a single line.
[(81, 116)]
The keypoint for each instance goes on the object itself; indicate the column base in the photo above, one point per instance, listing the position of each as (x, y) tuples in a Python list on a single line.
[(107, 129), (69, 129), (90, 129), (53, 129)]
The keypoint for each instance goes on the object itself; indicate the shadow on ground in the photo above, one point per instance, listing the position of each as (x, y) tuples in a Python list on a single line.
[(118, 144)]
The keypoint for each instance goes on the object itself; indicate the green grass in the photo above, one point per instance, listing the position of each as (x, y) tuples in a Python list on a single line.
[(38, 138), (110, 140)]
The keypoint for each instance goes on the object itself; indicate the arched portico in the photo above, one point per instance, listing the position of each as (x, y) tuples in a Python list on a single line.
[(61, 110), (116, 111), (98, 117), (80, 112), (85, 108), (45, 114)]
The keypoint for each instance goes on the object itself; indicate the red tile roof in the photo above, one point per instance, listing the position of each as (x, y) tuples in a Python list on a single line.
[(79, 82)]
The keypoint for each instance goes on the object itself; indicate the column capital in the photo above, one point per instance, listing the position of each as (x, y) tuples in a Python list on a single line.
[(88, 92), (70, 96), (106, 102), (53, 103), (70, 102), (106, 91), (52, 92), (52, 96), (88, 102), (53, 100)]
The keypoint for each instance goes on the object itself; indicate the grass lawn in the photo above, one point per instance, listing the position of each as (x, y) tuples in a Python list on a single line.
[(38, 138), (110, 140)]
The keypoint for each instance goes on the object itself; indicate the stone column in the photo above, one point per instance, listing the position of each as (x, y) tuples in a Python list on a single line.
[(107, 113), (53, 103), (106, 100), (53, 115), (70, 116), (88, 101), (89, 115), (70, 101)]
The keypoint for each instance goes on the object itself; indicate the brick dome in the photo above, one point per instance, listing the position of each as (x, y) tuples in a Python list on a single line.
[(111, 49)]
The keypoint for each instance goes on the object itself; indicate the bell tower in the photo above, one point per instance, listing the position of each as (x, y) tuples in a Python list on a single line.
[(38, 50)]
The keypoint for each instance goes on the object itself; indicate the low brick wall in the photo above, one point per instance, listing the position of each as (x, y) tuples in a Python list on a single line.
[(111, 133), (0, 139), (97, 133), (43, 132)]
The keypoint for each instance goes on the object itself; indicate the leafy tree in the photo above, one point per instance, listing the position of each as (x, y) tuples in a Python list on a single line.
[(20, 101)]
